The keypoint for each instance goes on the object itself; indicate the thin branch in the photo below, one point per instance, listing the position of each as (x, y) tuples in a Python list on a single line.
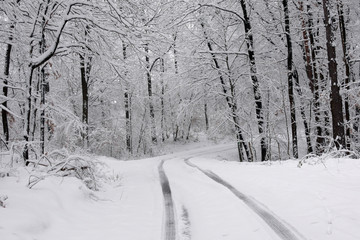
[(223, 9)]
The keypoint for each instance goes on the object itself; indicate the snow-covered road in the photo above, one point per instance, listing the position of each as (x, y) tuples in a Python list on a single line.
[(190, 195), (205, 201)]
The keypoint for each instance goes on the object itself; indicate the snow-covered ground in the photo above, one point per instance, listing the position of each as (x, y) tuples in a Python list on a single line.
[(318, 201)]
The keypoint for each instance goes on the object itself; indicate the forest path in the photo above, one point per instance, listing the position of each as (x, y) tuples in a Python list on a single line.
[(169, 221), (196, 200)]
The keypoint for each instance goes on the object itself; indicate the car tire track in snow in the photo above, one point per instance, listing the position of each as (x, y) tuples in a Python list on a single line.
[(169, 222), (278, 226)]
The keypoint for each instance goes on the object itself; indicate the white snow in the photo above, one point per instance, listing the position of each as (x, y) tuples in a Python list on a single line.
[(319, 200)]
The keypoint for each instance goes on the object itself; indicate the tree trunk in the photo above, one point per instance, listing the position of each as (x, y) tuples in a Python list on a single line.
[(313, 75), (127, 105), (151, 106), (4, 114), (176, 65), (162, 70), (35, 107), (206, 116), (290, 81), (255, 82), (42, 82), (85, 97), (307, 55), (149, 85), (28, 116), (303, 114), (175, 124), (335, 97), (345, 49), (356, 121)]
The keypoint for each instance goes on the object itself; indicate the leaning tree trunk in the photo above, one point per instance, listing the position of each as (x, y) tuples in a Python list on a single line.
[(231, 104), (255, 81), (290, 81), (303, 114), (335, 97)]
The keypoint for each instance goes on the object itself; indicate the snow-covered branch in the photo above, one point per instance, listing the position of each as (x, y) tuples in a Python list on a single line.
[(36, 62), (223, 9)]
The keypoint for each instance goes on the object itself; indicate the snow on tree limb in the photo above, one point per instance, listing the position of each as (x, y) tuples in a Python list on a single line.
[(36, 62)]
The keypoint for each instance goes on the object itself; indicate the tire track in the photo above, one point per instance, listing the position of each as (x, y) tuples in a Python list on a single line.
[(169, 228), (169, 222), (274, 222)]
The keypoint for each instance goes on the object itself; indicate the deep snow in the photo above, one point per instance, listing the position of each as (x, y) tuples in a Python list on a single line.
[(320, 200)]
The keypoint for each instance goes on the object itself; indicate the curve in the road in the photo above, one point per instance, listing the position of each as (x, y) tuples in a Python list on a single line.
[(268, 217), (169, 222)]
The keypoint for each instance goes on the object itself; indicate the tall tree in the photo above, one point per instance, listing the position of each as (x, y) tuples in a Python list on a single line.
[(36, 62), (230, 100), (336, 103), (150, 93), (345, 48), (4, 108), (42, 81), (290, 80), (311, 49), (127, 105), (249, 38), (253, 73), (85, 68)]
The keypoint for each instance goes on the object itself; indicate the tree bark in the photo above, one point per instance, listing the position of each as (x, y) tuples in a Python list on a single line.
[(335, 97)]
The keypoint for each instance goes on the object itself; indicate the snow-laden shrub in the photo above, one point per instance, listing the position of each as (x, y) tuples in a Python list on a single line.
[(63, 164), (313, 159)]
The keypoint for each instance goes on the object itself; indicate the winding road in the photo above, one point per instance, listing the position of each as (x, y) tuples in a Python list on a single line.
[(194, 202)]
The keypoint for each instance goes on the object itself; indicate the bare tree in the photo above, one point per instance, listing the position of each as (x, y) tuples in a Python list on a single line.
[(290, 80), (335, 97)]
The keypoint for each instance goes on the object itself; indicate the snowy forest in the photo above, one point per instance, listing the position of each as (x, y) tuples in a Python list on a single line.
[(122, 78), (179, 119)]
